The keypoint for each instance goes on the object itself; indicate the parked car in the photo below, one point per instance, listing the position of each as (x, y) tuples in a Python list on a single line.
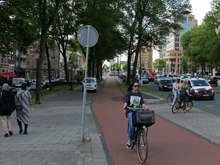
[(17, 82), (91, 84), (157, 78), (201, 88), (173, 76), (165, 84), (32, 86), (150, 76), (214, 79), (144, 80)]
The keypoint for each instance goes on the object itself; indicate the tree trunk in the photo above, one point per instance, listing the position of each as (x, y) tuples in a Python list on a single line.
[(49, 66), (39, 65)]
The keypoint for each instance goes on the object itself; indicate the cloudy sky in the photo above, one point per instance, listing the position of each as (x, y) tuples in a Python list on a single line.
[(200, 8)]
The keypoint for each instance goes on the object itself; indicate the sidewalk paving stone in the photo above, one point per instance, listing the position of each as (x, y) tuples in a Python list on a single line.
[(54, 136)]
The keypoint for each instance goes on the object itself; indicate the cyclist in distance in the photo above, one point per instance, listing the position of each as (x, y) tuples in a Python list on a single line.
[(175, 90), (134, 99), (184, 93)]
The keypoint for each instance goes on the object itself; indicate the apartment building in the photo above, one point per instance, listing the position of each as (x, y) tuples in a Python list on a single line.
[(32, 56), (173, 49), (145, 59)]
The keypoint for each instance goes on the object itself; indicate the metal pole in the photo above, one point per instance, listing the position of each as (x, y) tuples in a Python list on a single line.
[(84, 91)]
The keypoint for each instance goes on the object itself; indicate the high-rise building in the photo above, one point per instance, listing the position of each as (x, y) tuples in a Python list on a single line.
[(145, 59), (173, 49)]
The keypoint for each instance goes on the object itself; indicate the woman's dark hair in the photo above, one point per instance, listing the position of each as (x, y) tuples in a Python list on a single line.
[(131, 85), (23, 86)]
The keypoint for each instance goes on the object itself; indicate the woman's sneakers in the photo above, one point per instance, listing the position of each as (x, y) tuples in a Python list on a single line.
[(21, 132), (129, 145), (10, 133), (6, 135)]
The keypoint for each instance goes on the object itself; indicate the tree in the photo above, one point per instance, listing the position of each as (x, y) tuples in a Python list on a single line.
[(159, 64), (198, 45), (105, 16), (47, 13), (62, 31), (146, 23), (212, 20)]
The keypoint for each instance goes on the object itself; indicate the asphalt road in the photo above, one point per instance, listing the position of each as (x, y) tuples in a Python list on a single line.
[(210, 106)]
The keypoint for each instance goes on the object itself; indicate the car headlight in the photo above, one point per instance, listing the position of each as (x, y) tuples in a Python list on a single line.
[(196, 91)]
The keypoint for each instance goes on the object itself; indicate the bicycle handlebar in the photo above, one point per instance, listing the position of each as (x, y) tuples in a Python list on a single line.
[(136, 109)]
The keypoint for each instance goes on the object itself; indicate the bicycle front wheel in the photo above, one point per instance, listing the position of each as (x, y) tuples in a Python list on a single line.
[(189, 105), (142, 145), (170, 99), (176, 106)]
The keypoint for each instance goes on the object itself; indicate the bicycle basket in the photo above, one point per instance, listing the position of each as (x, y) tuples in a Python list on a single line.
[(143, 118)]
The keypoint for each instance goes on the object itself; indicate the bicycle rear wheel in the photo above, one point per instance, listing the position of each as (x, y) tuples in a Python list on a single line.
[(142, 145), (175, 108), (189, 105), (170, 99)]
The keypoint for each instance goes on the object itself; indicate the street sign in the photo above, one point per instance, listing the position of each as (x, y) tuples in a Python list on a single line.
[(87, 36)]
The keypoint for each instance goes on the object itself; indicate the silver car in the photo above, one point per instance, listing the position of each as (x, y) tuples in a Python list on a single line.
[(91, 84)]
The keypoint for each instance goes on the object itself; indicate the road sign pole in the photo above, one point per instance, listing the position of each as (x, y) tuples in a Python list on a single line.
[(84, 91), (87, 36)]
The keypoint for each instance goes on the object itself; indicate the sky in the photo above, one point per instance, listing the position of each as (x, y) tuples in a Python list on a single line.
[(200, 8)]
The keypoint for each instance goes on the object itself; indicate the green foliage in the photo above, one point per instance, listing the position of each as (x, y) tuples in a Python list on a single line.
[(200, 45), (159, 64), (146, 23), (124, 87)]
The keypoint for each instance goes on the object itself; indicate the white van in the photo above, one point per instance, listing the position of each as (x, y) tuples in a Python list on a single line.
[(16, 82)]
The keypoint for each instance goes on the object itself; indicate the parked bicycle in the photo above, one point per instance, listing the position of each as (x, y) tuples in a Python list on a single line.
[(179, 104), (141, 121)]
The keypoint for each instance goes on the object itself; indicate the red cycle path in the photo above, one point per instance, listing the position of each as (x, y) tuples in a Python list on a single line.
[(169, 144)]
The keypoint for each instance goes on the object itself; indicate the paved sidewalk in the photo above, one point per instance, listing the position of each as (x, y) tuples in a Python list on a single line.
[(197, 121), (54, 136)]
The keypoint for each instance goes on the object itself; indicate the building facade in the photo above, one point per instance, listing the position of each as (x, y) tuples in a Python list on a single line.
[(173, 49), (145, 59)]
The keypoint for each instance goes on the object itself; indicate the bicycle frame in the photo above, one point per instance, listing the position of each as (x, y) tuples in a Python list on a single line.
[(140, 140), (178, 104)]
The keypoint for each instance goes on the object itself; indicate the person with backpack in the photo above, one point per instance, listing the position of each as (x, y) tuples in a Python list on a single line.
[(7, 107), (23, 115)]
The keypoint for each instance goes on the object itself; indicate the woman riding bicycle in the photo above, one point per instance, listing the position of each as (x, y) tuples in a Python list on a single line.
[(134, 99), (175, 90), (184, 93)]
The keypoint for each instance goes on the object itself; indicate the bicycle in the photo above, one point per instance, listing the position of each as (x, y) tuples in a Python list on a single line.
[(170, 99), (141, 121), (179, 104)]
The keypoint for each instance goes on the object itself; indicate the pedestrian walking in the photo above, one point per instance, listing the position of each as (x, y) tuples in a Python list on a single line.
[(23, 115), (7, 107), (218, 82)]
